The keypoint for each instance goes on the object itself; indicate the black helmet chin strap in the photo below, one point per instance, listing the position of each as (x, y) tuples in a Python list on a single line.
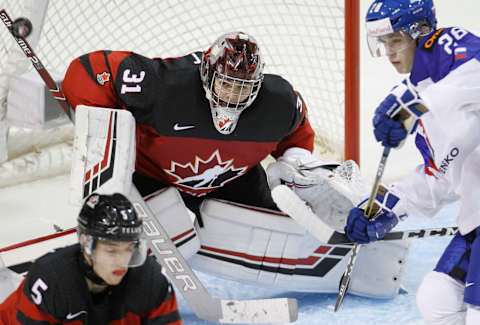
[(88, 271)]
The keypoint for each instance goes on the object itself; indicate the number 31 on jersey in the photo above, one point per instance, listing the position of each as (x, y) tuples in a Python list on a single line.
[(131, 82)]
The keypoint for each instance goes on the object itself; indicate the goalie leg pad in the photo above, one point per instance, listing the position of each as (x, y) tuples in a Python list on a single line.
[(267, 248), (170, 211), (379, 269), (103, 152)]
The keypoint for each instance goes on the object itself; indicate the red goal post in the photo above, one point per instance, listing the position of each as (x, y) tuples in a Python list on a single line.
[(352, 80)]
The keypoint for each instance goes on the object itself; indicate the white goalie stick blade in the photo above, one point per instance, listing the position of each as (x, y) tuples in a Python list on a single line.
[(291, 204), (263, 311), (279, 310)]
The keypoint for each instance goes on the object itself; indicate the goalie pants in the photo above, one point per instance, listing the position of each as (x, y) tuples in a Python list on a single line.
[(251, 189), (451, 293)]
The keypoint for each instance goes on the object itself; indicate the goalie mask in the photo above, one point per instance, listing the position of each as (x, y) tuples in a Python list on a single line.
[(231, 74), (112, 222)]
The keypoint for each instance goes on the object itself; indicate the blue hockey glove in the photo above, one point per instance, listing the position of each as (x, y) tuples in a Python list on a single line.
[(397, 115), (363, 230)]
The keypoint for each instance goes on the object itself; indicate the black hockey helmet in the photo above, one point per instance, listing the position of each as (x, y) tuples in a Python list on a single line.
[(109, 217)]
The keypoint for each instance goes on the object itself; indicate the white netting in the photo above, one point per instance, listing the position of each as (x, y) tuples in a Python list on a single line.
[(302, 40)]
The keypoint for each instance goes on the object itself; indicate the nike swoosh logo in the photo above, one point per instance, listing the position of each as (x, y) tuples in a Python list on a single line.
[(177, 127), (72, 316), (469, 284)]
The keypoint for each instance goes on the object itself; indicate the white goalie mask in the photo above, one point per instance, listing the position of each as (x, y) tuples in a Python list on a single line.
[(231, 74)]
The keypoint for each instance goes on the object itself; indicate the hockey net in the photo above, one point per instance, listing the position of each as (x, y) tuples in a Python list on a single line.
[(311, 43)]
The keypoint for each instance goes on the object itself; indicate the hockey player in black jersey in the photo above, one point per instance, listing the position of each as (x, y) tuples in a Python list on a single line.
[(105, 279)]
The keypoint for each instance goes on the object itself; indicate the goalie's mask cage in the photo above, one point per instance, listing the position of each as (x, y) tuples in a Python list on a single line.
[(232, 74), (111, 219)]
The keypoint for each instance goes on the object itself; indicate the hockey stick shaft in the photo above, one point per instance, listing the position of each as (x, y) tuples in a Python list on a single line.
[(37, 64), (345, 282), (376, 184), (281, 310), (38, 240), (341, 239), (289, 202)]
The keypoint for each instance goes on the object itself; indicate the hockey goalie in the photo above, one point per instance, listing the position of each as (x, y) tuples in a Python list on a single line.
[(203, 123), (246, 243), (193, 132)]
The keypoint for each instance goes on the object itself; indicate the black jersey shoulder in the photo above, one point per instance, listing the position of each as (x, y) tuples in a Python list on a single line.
[(136, 83), (279, 106), (145, 287), (54, 281), (143, 83)]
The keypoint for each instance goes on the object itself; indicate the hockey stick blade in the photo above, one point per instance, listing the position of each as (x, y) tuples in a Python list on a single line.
[(280, 310)]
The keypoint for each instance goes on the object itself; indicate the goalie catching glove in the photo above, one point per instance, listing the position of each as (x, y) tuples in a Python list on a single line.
[(363, 230), (398, 115), (328, 188)]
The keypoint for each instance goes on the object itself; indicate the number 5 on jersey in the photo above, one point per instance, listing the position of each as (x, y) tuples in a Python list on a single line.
[(36, 294), (131, 79)]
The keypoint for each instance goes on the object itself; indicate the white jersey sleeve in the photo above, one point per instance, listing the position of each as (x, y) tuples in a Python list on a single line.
[(448, 137)]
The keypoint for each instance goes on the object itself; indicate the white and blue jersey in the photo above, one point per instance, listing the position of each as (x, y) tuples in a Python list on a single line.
[(446, 73), (441, 52)]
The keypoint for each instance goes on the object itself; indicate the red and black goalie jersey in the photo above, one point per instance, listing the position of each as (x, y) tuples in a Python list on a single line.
[(177, 142)]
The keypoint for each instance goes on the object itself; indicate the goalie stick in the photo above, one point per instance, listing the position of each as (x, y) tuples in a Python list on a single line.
[(279, 310), (289, 202)]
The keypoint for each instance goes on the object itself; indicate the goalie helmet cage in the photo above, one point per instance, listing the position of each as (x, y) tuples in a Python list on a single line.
[(314, 44)]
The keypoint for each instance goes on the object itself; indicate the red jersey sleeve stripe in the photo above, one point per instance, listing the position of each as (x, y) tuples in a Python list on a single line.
[(27, 312), (166, 312)]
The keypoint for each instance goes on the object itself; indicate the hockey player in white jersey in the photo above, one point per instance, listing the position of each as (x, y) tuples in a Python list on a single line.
[(444, 75)]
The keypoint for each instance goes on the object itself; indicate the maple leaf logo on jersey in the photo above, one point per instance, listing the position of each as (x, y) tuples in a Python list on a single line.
[(204, 175), (103, 77)]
